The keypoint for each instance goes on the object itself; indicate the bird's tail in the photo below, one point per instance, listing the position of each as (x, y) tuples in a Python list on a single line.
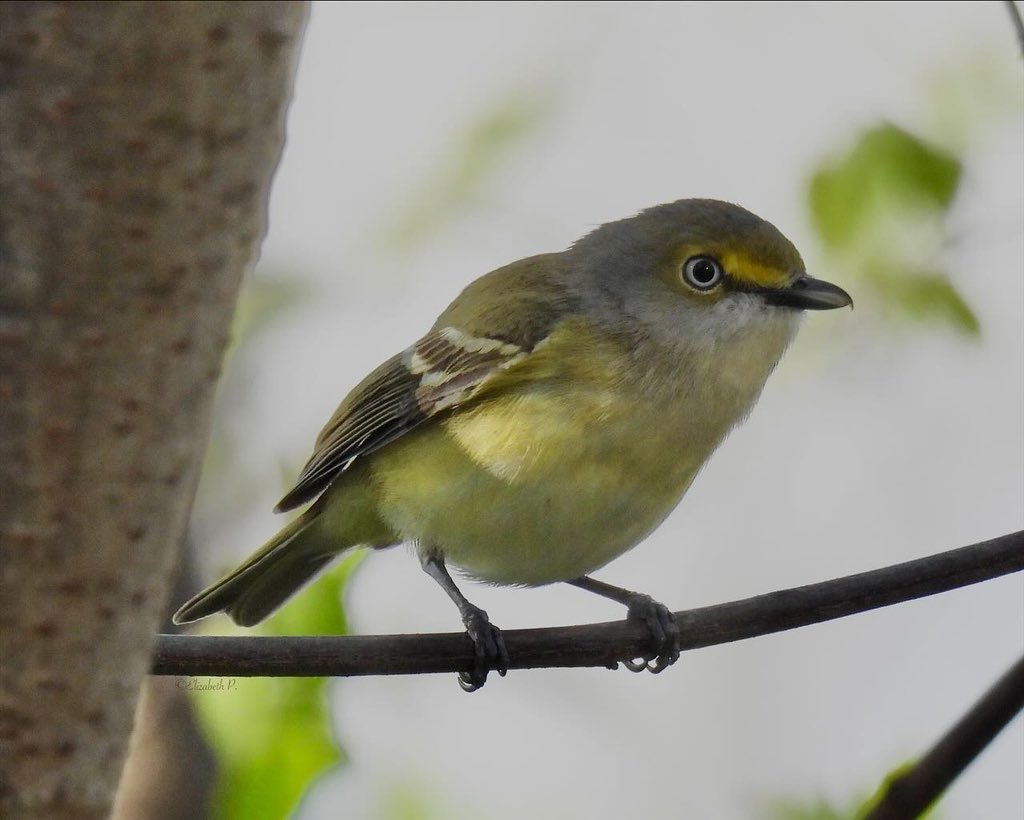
[(259, 586)]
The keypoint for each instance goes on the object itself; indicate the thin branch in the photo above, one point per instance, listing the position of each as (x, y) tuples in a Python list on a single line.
[(602, 644), (1017, 20), (911, 793)]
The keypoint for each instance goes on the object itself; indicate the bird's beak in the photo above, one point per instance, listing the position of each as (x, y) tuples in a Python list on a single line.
[(807, 293)]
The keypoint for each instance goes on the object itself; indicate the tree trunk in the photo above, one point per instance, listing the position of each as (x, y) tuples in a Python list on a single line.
[(137, 143)]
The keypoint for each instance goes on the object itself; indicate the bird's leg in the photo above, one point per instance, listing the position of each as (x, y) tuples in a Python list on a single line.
[(488, 644), (658, 619)]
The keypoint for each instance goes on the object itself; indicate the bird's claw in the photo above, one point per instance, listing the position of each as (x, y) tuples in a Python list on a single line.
[(661, 624), (489, 650)]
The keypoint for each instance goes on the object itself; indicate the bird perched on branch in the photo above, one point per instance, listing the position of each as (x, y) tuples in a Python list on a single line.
[(553, 416)]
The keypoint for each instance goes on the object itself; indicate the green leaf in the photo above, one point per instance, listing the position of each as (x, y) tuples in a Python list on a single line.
[(887, 170), (881, 210), (929, 296), (820, 809), (870, 803), (272, 736)]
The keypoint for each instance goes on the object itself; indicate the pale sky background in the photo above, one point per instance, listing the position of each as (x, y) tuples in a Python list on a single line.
[(874, 442)]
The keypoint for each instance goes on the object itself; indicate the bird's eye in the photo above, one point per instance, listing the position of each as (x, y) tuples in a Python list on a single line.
[(702, 272)]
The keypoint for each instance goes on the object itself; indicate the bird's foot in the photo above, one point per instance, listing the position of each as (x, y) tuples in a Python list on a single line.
[(661, 624), (488, 649)]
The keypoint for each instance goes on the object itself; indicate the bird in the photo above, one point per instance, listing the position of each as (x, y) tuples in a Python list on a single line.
[(551, 418)]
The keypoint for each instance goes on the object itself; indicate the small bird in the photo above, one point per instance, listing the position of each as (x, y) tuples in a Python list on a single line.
[(552, 417)]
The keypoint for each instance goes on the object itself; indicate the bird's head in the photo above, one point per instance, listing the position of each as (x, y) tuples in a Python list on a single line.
[(700, 271)]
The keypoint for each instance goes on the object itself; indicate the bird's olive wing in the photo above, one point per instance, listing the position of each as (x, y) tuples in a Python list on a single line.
[(445, 369)]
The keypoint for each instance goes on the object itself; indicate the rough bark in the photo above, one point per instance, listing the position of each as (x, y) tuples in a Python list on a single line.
[(137, 144)]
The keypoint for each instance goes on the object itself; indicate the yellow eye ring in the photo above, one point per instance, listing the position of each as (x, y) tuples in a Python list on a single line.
[(702, 273)]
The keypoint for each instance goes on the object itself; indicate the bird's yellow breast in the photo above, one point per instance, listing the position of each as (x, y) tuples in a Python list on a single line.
[(557, 477), (531, 489)]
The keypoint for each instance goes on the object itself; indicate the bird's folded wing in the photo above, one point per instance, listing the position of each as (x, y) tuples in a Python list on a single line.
[(445, 369)]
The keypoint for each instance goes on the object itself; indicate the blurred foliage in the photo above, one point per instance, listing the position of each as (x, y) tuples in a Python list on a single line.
[(820, 809), (964, 98), (474, 159), (265, 299), (875, 799), (409, 801), (817, 810), (881, 210), (886, 168), (272, 736)]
